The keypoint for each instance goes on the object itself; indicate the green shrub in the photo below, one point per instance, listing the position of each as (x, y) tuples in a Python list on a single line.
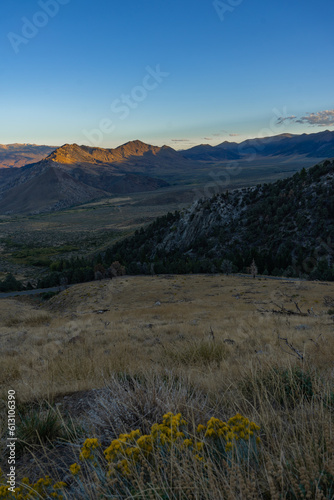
[(284, 388), (38, 426)]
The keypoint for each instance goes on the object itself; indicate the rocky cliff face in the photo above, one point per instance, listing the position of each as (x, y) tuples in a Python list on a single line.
[(198, 221)]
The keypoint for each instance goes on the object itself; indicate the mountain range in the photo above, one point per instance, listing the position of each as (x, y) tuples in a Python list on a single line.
[(38, 179)]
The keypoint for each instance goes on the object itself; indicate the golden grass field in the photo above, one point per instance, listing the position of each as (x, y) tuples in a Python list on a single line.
[(114, 355)]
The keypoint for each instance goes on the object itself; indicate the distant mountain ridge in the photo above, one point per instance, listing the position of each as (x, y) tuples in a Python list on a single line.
[(316, 145), (18, 155), (205, 152)]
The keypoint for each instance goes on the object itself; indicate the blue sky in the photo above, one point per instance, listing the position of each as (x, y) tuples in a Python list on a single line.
[(177, 73)]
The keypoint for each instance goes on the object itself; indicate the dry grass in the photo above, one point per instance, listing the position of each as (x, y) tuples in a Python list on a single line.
[(69, 344), (116, 355)]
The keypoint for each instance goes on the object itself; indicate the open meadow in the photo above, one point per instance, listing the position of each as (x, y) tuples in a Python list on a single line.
[(112, 356)]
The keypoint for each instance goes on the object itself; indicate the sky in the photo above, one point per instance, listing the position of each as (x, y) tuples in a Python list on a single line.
[(179, 73)]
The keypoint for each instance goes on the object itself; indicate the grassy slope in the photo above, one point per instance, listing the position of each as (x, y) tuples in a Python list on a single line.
[(71, 339), (172, 362)]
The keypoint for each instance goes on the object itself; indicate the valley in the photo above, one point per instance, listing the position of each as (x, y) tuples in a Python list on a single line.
[(86, 229)]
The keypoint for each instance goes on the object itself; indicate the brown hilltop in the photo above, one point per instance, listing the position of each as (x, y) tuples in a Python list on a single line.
[(70, 154), (139, 148)]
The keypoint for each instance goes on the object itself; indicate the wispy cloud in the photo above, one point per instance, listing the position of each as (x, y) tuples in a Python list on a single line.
[(220, 134), (320, 118), (207, 138), (233, 135), (180, 140)]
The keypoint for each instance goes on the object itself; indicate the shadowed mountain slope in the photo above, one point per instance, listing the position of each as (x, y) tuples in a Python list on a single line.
[(52, 190), (287, 226)]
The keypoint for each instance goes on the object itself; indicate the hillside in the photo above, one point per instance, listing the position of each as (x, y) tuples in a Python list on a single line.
[(18, 155), (286, 226), (53, 189)]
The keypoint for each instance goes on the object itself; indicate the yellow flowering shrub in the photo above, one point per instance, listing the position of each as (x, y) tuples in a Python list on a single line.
[(236, 429), (75, 469), (130, 454), (43, 488), (89, 445), (216, 438)]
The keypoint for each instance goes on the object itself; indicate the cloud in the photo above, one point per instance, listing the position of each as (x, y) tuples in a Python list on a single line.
[(220, 134), (207, 138), (180, 140), (321, 118), (233, 135), (282, 119)]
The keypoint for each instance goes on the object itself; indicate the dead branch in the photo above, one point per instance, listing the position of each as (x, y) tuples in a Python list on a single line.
[(297, 354), (297, 307), (316, 340), (284, 310)]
